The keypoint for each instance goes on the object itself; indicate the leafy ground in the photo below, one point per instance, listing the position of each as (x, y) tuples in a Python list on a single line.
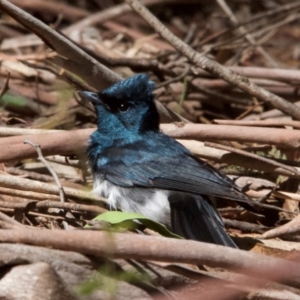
[(248, 127)]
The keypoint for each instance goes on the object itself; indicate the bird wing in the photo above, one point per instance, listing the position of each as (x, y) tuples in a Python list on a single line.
[(149, 168)]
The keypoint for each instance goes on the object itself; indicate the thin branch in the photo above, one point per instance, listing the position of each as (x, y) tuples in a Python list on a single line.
[(5, 88), (24, 184), (69, 12), (290, 228), (133, 246), (175, 79), (213, 67), (25, 195), (282, 9), (242, 29), (207, 132), (263, 123), (74, 142), (252, 155), (72, 57), (78, 61), (9, 220), (53, 204), (245, 227), (37, 147)]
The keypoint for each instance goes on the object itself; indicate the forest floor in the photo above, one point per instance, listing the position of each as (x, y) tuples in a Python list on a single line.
[(247, 126)]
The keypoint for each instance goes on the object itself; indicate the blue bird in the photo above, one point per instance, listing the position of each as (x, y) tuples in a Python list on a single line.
[(140, 169)]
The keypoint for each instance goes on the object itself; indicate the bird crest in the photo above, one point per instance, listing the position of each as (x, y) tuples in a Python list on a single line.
[(135, 88)]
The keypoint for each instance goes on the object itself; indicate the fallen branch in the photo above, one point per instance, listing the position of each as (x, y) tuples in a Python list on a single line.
[(132, 246), (213, 67), (78, 61), (264, 123), (37, 147), (53, 204), (275, 136), (290, 228), (71, 56), (266, 160), (75, 141), (27, 195), (285, 75), (14, 182)]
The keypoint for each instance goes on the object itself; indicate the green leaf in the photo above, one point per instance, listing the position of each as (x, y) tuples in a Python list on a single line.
[(123, 220), (13, 100)]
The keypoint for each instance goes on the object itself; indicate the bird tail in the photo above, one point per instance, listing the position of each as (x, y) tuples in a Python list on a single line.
[(197, 219)]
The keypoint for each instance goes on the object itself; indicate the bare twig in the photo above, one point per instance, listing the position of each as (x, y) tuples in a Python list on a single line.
[(246, 227), (290, 228), (279, 137), (248, 111), (282, 9), (213, 67), (160, 249), (53, 204), (108, 14), (24, 184), (285, 75), (5, 88), (286, 195), (64, 161), (175, 79), (252, 155), (61, 73), (50, 169), (271, 85), (264, 123), (72, 57), (7, 131), (29, 174), (9, 220), (219, 95), (75, 141), (69, 12), (199, 148), (25, 195), (78, 61), (242, 29)]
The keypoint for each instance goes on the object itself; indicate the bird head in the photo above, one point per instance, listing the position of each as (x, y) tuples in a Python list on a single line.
[(128, 104)]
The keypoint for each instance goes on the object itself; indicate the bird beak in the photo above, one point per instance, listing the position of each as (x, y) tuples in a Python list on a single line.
[(93, 97)]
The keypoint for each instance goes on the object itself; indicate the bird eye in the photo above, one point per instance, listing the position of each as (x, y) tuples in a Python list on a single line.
[(123, 107)]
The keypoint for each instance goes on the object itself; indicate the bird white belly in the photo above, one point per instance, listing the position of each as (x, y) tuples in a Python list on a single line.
[(151, 203)]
